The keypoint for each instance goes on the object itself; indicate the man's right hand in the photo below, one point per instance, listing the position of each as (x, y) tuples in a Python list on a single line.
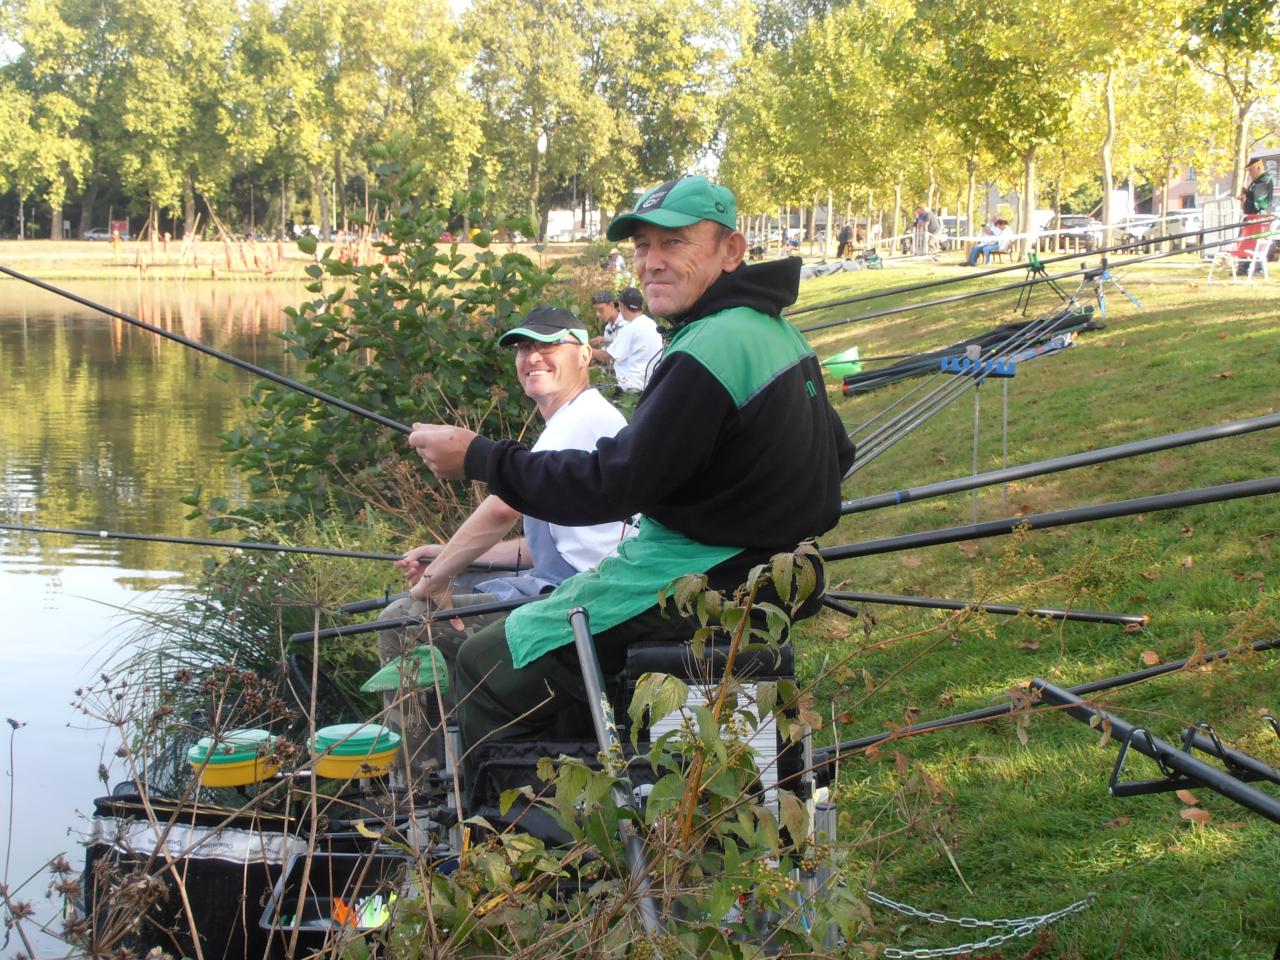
[(411, 563)]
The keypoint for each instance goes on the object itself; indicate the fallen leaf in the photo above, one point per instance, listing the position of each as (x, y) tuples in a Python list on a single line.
[(1187, 530), (1233, 825), (1224, 375), (1187, 797), (1141, 518), (1117, 822), (1124, 343), (1187, 563), (1150, 657), (1198, 814), (968, 547), (946, 700), (1028, 645), (1150, 574), (1222, 335), (1177, 848), (911, 561), (1134, 627)]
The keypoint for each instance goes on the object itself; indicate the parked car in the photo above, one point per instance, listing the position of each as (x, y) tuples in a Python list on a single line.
[(1078, 231), (1138, 228), (98, 233)]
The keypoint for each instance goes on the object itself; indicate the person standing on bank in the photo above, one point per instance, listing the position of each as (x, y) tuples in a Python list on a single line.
[(553, 365), (1256, 203), (635, 345), (734, 454)]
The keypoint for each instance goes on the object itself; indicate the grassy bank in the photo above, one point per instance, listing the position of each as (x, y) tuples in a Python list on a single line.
[(1009, 818)]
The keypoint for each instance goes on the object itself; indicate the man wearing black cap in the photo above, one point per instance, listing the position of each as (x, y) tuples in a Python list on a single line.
[(734, 454), (635, 346)]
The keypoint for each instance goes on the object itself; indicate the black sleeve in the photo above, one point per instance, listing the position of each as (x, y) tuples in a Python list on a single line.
[(670, 438), (845, 449)]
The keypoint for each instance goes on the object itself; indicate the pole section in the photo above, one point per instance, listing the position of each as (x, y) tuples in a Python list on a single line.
[(615, 766), (1004, 609), (450, 613), (1060, 518), (1069, 462), (217, 354)]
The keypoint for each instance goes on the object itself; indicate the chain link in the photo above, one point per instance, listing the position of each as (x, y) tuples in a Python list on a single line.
[(1020, 927)]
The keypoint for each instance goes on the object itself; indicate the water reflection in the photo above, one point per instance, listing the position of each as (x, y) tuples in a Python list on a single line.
[(102, 426), (106, 426)]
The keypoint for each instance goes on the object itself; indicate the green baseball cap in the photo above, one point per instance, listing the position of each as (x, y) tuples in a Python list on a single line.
[(546, 325), (678, 203)]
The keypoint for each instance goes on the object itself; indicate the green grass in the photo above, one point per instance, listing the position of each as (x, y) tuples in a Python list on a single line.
[(1030, 826)]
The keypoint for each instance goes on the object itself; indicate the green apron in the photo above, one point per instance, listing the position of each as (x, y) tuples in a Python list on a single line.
[(624, 585)]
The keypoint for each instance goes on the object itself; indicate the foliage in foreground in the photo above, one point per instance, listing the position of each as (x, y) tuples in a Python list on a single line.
[(412, 337)]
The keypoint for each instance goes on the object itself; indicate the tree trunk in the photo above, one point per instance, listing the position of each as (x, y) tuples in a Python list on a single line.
[(535, 189), (321, 196), (340, 187), (1108, 142), (831, 222), (971, 188), (1027, 215), (86, 207), (284, 207), (1243, 110), (188, 206), (897, 210)]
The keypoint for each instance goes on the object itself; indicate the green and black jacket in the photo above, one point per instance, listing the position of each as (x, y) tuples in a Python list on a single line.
[(733, 443)]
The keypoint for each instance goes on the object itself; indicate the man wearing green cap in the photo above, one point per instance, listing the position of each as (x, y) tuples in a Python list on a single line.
[(734, 454)]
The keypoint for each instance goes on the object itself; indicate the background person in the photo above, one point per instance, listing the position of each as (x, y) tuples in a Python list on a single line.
[(1257, 205), (1001, 235), (734, 454), (605, 304), (636, 345)]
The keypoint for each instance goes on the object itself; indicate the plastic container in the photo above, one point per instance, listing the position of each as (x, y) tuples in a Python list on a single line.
[(234, 759), (349, 750), (844, 364)]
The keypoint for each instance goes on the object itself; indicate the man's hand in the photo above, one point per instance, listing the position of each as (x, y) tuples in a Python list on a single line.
[(435, 590), (442, 448), (410, 562)]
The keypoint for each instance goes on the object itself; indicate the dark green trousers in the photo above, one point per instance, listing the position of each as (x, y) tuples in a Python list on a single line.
[(544, 699)]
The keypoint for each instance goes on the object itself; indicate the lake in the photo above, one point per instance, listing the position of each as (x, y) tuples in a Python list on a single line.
[(104, 427)]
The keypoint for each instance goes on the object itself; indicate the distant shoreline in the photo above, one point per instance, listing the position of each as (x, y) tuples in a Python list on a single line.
[(258, 261)]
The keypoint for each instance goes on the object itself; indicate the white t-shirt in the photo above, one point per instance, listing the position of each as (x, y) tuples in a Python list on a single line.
[(577, 426), (634, 349)]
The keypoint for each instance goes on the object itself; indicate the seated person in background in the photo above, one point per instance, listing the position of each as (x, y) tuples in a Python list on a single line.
[(1256, 205), (635, 347), (553, 363), (1001, 236), (605, 304)]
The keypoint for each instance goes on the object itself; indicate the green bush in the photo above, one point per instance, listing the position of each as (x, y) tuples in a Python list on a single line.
[(411, 336)]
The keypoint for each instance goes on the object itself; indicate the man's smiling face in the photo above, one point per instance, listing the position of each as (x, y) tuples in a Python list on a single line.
[(677, 265)]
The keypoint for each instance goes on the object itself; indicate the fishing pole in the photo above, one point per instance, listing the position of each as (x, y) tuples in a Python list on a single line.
[(1059, 518), (234, 545), (1010, 287), (452, 613), (829, 755), (214, 352), (1004, 609), (952, 387), (928, 284), (1054, 465)]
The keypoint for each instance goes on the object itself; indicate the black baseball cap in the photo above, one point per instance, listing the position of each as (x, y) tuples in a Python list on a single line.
[(546, 325), (631, 298)]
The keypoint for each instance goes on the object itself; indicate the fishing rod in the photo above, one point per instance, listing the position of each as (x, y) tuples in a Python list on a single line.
[(1060, 518), (214, 352), (829, 755), (1056, 464), (451, 613), (928, 284), (832, 599), (952, 387), (1010, 287), (234, 545)]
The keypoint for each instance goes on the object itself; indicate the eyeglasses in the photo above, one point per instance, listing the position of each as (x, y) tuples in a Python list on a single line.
[(526, 347)]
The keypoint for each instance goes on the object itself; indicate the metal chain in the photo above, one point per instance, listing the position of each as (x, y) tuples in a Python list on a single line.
[(1019, 927)]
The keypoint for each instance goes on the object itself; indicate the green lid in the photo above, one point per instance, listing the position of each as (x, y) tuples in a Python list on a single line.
[(235, 746), (355, 739), (427, 661)]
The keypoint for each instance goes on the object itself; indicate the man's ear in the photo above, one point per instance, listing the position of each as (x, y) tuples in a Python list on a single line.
[(735, 248)]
